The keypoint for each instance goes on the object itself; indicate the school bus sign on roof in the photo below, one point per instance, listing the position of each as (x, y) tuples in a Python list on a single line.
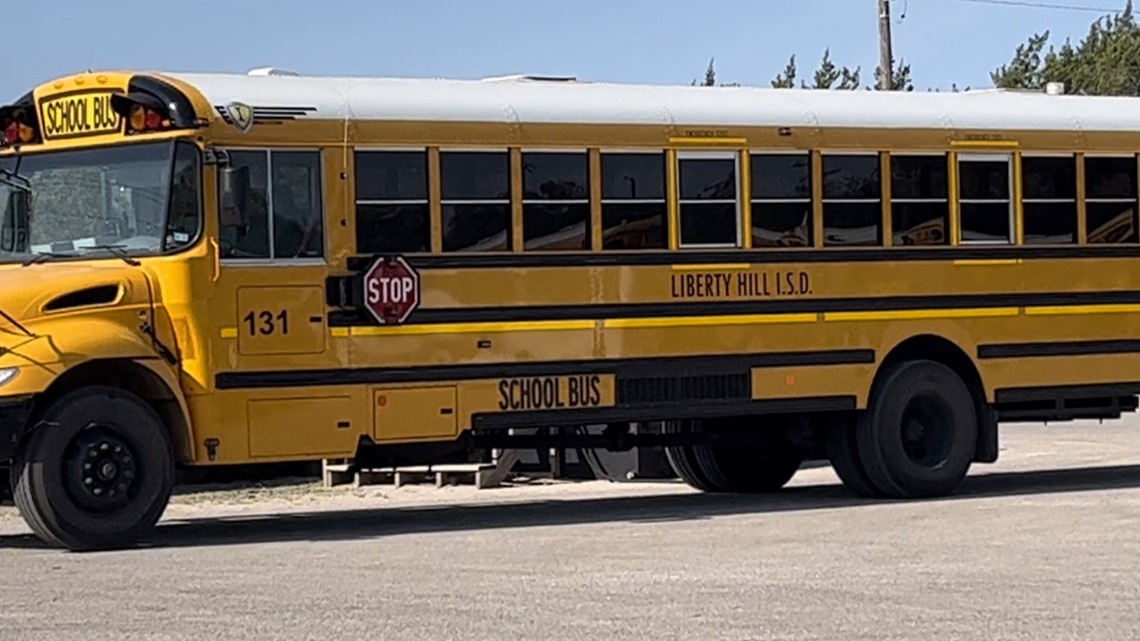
[(79, 114)]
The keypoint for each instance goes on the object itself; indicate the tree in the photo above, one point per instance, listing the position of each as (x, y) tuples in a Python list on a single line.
[(787, 79), (900, 77), (710, 74), (1105, 62), (827, 76), (710, 77)]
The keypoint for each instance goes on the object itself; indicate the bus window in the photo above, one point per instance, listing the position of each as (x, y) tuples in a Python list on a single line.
[(985, 205), (298, 217), (556, 201), (392, 212), (1049, 199), (296, 227), (249, 237), (920, 204), (476, 191), (709, 213), (1110, 199), (852, 200), (781, 200), (633, 201), (184, 220)]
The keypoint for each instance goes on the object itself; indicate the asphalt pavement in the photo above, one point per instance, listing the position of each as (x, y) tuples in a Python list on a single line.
[(1043, 545)]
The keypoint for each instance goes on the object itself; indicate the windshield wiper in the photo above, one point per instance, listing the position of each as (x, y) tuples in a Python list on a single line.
[(43, 257), (118, 251)]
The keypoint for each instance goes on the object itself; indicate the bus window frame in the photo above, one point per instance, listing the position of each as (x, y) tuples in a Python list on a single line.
[(513, 226), (664, 201), (588, 201), (988, 156), (709, 154), (271, 261), (752, 152), (434, 210)]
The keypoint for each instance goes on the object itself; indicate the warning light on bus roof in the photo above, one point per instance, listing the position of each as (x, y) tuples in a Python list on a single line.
[(17, 132), (142, 112), (17, 127), (143, 119)]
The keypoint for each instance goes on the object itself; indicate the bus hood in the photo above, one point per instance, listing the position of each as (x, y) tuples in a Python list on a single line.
[(37, 294), (57, 315)]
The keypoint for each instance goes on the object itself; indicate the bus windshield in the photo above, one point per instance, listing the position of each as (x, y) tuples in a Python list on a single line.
[(136, 200)]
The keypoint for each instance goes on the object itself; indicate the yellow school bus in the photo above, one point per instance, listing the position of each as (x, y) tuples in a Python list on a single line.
[(212, 269)]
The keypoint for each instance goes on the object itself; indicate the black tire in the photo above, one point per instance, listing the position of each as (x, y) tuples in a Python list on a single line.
[(740, 466), (919, 434), (96, 472), (843, 452), (683, 459)]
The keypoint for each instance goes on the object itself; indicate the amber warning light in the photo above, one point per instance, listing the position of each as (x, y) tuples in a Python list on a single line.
[(142, 112), (18, 126)]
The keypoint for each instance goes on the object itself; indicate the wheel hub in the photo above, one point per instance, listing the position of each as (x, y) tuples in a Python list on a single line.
[(101, 473), (927, 432)]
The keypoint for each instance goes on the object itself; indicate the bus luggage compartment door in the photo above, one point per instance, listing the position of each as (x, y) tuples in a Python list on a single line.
[(415, 414)]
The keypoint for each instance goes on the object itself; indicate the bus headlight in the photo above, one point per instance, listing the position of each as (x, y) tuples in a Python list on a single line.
[(7, 374)]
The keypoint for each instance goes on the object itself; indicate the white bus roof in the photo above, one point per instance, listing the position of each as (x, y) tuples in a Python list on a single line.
[(523, 99)]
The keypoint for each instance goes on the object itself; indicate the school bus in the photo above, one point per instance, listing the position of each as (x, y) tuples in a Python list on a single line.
[(218, 269)]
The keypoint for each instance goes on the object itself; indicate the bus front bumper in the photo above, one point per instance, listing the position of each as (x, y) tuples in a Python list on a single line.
[(14, 414)]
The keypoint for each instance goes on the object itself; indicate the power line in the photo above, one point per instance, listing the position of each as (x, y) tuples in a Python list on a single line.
[(1041, 5)]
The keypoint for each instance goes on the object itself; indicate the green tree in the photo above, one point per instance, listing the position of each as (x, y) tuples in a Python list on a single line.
[(1105, 62), (827, 76), (710, 77), (710, 74), (900, 77), (787, 78)]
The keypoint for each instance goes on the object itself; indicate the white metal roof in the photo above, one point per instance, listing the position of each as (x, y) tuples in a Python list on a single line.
[(515, 99)]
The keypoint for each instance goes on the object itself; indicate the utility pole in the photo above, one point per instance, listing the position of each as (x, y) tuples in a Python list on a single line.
[(886, 60)]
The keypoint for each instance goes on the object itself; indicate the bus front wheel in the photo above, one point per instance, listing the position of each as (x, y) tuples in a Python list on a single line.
[(96, 472)]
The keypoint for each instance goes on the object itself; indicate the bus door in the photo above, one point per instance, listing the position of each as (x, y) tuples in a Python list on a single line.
[(271, 312)]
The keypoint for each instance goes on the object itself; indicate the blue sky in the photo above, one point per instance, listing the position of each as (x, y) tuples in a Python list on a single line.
[(655, 41)]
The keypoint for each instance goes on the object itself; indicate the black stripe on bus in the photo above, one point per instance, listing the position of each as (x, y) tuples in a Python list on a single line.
[(1067, 348), (1054, 393), (662, 366), (552, 418), (807, 255), (352, 318)]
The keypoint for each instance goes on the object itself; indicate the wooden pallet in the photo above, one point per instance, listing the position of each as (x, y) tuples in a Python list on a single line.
[(481, 475)]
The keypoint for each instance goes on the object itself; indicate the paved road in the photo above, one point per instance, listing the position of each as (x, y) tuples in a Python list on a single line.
[(1044, 545)]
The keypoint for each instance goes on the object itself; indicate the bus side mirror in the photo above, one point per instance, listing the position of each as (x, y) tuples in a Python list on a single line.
[(235, 196), (15, 221)]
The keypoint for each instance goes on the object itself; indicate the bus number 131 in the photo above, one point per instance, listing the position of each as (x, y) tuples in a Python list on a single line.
[(264, 322)]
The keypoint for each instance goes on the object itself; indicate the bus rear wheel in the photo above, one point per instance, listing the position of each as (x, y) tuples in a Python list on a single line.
[(764, 461), (919, 434), (96, 472)]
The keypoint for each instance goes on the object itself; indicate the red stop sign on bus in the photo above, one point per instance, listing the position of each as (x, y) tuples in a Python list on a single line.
[(391, 290)]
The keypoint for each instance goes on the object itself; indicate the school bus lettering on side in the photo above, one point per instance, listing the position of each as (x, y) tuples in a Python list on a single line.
[(768, 284), (550, 393), (77, 115)]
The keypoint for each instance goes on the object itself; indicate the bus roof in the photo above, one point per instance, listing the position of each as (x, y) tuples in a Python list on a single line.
[(522, 99)]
